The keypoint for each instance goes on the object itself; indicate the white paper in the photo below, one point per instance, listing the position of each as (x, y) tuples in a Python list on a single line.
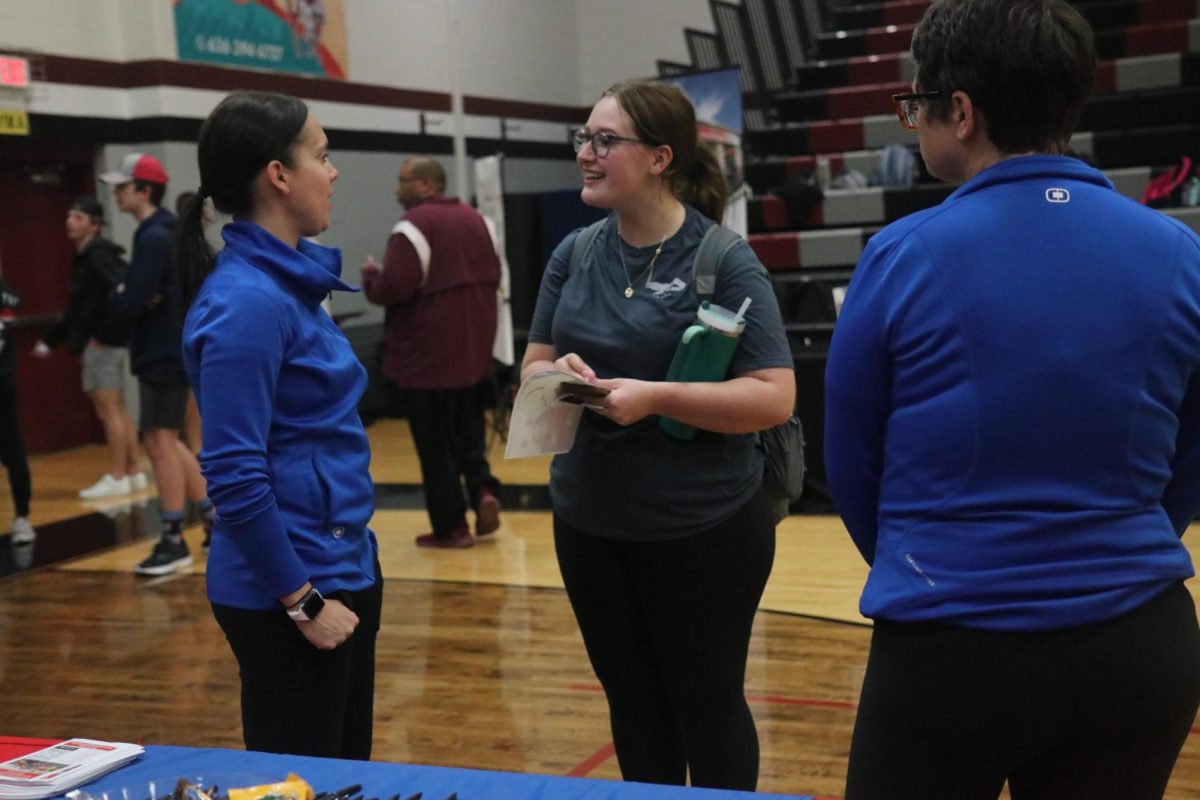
[(541, 423)]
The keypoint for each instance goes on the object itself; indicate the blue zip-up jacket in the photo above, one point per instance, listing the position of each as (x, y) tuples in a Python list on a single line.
[(284, 452), (1013, 403), (151, 300)]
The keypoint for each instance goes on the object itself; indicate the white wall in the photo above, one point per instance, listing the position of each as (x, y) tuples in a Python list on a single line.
[(511, 49), (622, 39), (84, 28), (549, 51)]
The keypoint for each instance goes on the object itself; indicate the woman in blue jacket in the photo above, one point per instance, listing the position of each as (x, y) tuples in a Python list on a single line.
[(293, 574), (1013, 441)]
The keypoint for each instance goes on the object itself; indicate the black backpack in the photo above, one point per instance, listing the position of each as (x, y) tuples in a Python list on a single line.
[(783, 468)]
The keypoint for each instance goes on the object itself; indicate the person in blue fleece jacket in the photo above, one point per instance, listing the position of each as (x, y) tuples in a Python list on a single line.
[(293, 573), (1013, 441)]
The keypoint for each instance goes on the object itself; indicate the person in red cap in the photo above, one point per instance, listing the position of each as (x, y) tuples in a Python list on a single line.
[(150, 297)]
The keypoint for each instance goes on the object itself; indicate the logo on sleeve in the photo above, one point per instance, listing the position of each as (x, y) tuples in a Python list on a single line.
[(1057, 195)]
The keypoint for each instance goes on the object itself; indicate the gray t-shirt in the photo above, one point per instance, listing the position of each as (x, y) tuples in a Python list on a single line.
[(636, 482)]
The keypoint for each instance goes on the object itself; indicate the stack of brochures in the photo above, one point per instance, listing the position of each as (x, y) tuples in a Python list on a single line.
[(58, 768)]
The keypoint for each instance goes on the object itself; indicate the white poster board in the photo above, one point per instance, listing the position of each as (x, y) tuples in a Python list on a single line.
[(489, 198)]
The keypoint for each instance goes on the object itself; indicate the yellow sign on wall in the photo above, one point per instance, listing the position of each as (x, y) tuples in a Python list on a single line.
[(14, 122)]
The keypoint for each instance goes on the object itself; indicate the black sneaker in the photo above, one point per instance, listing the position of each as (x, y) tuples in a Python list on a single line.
[(165, 559), (207, 523)]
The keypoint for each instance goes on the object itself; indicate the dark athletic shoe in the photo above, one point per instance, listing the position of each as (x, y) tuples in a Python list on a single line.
[(165, 559)]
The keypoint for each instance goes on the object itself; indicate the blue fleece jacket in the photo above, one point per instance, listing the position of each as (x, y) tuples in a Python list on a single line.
[(284, 451), (1013, 403)]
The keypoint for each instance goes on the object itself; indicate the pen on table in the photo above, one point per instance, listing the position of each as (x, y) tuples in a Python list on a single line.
[(416, 796), (348, 791)]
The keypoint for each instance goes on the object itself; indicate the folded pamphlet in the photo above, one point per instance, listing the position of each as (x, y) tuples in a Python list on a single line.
[(546, 413), (58, 768)]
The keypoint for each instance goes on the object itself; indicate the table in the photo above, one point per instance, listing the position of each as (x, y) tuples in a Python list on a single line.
[(163, 764)]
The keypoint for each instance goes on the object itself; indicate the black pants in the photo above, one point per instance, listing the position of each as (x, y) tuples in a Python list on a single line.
[(449, 433), (667, 628), (12, 446), (297, 699), (1099, 711)]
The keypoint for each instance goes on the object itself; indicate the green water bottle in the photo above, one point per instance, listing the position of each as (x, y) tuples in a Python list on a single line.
[(704, 353)]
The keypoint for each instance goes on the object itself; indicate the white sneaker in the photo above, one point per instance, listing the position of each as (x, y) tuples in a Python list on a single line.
[(22, 531), (137, 482), (108, 486)]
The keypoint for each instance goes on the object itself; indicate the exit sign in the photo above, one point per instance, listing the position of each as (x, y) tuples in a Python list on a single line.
[(14, 72)]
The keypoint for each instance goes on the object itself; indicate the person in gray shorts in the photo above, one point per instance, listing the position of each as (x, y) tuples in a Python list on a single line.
[(98, 333), (103, 368)]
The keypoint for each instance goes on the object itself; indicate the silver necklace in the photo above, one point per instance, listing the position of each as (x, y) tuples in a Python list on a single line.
[(648, 271)]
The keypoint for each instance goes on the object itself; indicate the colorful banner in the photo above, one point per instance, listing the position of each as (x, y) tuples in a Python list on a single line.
[(305, 36), (717, 97)]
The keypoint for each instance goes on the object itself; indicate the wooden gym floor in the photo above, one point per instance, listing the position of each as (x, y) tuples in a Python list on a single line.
[(479, 664)]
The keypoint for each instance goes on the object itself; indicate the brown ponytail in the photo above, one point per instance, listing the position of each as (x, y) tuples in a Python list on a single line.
[(662, 114)]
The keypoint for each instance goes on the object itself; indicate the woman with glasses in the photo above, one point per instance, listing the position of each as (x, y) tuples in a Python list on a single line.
[(664, 544), (1013, 441)]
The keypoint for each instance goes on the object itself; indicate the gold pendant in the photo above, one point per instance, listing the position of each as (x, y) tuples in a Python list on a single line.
[(629, 291)]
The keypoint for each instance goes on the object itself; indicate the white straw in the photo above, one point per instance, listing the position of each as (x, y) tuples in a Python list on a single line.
[(741, 314)]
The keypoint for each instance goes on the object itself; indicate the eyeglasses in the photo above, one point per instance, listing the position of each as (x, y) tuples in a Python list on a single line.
[(907, 106), (602, 142)]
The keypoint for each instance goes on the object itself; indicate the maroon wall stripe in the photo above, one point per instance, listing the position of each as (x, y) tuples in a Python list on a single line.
[(188, 75), (491, 107)]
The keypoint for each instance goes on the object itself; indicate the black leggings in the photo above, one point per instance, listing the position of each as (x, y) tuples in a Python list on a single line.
[(667, 628), (12, 446), (1091, 712), (297, 699)]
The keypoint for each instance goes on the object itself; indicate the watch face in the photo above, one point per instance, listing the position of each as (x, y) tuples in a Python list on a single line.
[(312, 605)]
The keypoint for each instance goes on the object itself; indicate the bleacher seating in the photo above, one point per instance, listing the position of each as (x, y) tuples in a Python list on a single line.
[(817, 79)]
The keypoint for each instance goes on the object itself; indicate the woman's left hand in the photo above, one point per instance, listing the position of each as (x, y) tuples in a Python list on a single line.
[(627, 402)]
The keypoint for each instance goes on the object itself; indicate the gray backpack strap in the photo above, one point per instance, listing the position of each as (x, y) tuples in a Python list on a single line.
[(583, 242), (718, 240)]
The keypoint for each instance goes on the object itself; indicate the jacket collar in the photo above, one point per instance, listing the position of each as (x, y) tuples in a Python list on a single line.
[(313, 270), (433, 200), (1025, 167)]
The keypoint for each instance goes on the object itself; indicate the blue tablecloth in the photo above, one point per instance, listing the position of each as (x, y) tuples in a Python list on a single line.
[(163, 764)]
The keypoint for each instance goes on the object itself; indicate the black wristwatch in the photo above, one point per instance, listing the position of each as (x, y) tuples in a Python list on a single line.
[(306, 608)]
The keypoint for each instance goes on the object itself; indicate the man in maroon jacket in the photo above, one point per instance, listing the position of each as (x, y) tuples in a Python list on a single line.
[(438, 283)]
